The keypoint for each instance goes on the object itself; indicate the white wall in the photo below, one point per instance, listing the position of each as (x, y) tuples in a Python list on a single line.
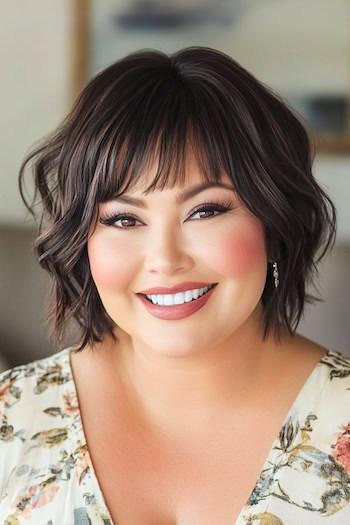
[(35, 60), (299, 46)]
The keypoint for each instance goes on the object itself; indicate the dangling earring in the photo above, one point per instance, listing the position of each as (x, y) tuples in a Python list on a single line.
[(275, 274)]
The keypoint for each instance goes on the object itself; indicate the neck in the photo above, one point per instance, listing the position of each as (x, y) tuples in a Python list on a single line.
[(196, 388)]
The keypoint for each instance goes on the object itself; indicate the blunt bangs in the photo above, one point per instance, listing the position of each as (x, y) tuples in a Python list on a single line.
[(146, 114)]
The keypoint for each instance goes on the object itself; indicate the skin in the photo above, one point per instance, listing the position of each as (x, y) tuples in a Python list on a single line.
[(181, 374), (189, 405)]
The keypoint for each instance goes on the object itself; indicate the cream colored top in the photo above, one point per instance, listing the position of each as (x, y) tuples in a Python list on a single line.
[(47, 477)]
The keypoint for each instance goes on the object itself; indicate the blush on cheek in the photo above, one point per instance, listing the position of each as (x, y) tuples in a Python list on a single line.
[(109, 269), (240, 250)]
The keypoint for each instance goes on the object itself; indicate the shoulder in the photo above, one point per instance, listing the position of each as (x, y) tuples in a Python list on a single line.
[(330, 364), (332, 380), (25, 388), (334, 384), (312, 452), (28, 394), (40, 436), (337, 363), (33, 379), (324, 398), (31, 397), (331, 391)]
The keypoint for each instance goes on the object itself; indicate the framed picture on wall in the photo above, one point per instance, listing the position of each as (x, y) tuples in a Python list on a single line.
[(305, 58), (329, 118), (81, 45)]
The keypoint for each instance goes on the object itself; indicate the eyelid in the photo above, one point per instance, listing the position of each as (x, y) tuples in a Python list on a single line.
[(109, 217), (225, 203)]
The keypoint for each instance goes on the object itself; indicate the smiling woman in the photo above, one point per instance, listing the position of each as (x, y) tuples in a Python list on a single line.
[(210, 237), (182, 226)]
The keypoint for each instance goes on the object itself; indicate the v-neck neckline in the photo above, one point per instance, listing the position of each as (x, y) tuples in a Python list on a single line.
[(303, 392)]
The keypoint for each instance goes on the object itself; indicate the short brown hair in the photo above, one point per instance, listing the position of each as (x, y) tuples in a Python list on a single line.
[(150, 105)]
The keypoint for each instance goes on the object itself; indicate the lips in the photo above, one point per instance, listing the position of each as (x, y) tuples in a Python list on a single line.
[(178, 311), (181, 287)]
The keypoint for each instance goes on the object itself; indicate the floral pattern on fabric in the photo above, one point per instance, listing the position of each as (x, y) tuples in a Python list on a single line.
[(342, 447), (301, 473), (37, 480), (47, 477)]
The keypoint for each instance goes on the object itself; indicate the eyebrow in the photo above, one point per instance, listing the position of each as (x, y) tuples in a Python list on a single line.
[(183, 197)]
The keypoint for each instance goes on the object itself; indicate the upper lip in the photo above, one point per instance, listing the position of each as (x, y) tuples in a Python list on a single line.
[(181, 287)]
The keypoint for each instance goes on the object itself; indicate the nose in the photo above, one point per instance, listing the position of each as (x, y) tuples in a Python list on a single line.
[(166, 254)]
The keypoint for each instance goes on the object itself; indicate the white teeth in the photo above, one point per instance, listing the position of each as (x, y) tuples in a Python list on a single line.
[(168, 300), (178, 298), (195, 294)]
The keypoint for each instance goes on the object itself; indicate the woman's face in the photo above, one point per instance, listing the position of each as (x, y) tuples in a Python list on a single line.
[(167, 242)]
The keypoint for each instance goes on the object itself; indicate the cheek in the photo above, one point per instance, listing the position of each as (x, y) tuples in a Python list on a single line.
[(233, 252), (240, 250), (109, 268)]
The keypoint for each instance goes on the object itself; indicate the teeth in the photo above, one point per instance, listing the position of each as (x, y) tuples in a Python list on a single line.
[(178, 298)]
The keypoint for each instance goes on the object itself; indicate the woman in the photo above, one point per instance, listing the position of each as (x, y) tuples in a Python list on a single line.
[(182, 223)]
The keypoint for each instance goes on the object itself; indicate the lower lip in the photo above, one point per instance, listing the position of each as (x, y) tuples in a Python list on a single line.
[(177, 311)]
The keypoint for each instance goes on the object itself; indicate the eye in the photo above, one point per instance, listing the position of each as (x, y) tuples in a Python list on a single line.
[(129, 221), (125, 221), (210, 208)]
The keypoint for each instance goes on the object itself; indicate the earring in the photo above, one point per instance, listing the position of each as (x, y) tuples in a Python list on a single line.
[(275, 274)]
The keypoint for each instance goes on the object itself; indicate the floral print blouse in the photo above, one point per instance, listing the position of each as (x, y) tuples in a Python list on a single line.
[(47, 477)]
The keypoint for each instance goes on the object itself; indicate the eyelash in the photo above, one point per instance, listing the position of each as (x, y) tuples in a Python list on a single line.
[(111, 219)]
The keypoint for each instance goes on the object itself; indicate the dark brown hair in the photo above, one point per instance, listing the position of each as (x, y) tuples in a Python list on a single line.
[(150, 106)]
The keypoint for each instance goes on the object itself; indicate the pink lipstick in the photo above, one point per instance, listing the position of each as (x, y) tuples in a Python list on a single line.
[(176, 311)]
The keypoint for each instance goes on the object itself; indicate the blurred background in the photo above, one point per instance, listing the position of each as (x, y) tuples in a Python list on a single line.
[(50, 49)]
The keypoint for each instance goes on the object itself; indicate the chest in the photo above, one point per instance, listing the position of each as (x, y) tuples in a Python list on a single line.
[(145, 483), (206, 476)]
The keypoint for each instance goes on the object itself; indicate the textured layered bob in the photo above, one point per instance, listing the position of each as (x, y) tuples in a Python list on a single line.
[(146, 110)]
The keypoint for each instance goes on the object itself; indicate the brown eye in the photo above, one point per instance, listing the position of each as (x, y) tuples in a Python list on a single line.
[(125, 221), (210, 210)]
